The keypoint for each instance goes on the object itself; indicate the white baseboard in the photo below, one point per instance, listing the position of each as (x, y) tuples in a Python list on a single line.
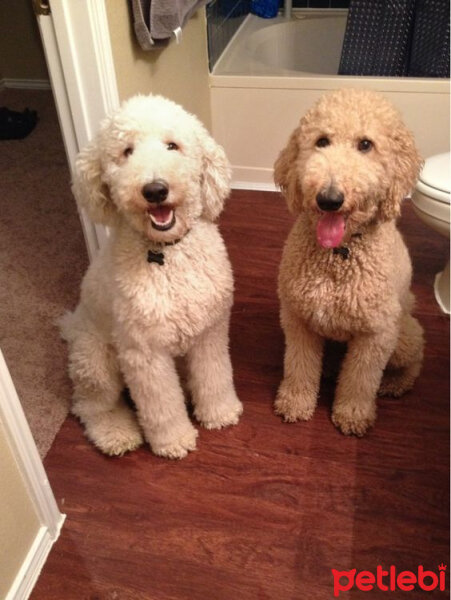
[(31, 567), (253, 178), (25, 84), (254, 185)]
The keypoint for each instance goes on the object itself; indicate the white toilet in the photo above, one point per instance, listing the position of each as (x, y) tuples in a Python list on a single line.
[(431, 203)]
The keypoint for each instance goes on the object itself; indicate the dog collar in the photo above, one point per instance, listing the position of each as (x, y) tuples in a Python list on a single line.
[(157, 255)]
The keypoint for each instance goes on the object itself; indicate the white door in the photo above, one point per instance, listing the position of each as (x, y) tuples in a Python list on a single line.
[(79, 59)]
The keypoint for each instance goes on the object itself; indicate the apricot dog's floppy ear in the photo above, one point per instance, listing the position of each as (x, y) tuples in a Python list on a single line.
[(403, 171), (88, 188), (215, 177), (285, 175)]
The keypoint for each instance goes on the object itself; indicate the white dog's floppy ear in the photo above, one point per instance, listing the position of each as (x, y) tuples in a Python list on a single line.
[(88, 188), (404, 172), (215, 177), (285, 175)]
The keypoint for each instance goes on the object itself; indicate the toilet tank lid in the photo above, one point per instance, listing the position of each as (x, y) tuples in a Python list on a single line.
[(436, 172)]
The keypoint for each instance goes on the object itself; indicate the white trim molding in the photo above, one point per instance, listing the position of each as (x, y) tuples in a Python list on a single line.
[(80, 61), (84, 45), (254, 185), (32, 566), (30, 465), (253, 178)]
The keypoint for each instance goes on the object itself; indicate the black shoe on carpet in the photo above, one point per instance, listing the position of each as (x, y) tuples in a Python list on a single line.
[(16, 125)]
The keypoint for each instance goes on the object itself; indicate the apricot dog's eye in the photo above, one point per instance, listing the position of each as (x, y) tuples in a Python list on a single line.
[(128, 151), (322, 142), (364, 145), (172, 146)]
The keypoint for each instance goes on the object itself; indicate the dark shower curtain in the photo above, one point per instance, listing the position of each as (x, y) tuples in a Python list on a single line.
[(403, 38)]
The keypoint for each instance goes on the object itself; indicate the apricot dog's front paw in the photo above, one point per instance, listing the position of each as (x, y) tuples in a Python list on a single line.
[(354, 419), (397, 383), (293, 407)]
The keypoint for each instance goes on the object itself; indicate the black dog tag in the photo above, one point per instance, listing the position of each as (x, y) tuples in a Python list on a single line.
[(343, 251), (157, 257)]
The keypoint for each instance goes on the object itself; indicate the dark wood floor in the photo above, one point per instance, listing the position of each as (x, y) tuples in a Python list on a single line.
[(264, 510)]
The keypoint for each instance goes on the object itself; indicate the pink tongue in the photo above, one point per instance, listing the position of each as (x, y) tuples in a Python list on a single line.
[(330, 230), (160, 213)]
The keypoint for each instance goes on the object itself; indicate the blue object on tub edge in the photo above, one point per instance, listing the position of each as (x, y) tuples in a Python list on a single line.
[(267, 9)]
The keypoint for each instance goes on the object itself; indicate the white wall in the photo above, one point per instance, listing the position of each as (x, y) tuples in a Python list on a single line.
[(19, 521)]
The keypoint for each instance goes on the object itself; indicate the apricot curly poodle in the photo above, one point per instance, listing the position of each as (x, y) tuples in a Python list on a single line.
[(345, 274)]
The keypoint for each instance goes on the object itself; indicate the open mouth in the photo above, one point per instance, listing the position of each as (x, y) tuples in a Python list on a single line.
[(330, 229), (162, 216)]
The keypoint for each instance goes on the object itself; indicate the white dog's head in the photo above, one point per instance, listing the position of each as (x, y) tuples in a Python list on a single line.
[(350, 163), (154, 165)]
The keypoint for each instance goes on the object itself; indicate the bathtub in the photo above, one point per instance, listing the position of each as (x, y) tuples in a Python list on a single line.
[(274, 69)]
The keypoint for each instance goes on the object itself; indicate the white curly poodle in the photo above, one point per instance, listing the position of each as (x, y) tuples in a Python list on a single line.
[(161, 287)]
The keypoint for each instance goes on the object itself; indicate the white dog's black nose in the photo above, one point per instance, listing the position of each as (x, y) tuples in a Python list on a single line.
[(155, 191), (330, 199)]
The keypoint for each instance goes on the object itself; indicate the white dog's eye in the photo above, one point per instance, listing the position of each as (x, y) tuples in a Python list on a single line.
[(128, 151), (172, 146), (364, 145), (322, 142)]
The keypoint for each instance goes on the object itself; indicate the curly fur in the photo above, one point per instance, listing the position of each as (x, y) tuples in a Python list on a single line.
[(364, 300), (135, 317)]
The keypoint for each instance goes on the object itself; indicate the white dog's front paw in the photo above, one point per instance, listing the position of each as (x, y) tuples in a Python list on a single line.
[(220, 413), (115, 432), (177, 447)]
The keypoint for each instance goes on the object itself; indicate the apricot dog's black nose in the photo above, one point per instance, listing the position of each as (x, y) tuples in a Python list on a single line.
[(330, 199), (155, 191)]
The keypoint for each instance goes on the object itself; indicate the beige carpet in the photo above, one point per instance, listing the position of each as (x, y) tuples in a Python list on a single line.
[(42, 260)]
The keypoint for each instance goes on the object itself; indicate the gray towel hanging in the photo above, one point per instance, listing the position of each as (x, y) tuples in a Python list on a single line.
[(155, 21)]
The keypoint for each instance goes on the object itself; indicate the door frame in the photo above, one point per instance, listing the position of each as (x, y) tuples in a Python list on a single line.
[(79, 57)]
